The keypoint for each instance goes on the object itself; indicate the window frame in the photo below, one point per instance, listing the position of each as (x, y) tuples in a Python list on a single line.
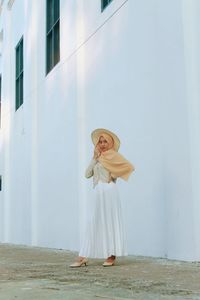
[(19, 74), (52, 34)]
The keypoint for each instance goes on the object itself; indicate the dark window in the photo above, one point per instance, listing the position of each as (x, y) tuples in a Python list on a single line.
[(104, 3), (0, 183), (52, 34), (19, 75)]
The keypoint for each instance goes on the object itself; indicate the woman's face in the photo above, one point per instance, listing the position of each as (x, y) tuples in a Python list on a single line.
[(103, 144)]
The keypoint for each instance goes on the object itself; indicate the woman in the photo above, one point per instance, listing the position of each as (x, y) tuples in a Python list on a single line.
[(105, 236)]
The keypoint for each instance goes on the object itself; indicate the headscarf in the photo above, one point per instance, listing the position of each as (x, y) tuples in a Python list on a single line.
[(113, 161)]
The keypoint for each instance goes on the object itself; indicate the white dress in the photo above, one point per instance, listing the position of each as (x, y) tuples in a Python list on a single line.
[(105, 233)]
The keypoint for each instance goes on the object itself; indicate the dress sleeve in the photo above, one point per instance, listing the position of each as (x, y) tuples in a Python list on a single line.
[(89, 171)]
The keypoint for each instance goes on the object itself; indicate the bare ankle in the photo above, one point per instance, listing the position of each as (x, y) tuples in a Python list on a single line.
[(80, 258), (111, 258)]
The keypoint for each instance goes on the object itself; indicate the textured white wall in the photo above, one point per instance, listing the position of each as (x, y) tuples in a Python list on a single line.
[(134, 85), (127, 69), (191, 11), (1, 141)]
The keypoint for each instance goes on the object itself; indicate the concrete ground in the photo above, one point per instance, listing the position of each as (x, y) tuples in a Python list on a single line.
[(28, 273)]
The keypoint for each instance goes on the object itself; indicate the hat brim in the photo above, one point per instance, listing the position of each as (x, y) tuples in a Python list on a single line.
[(95, 135)]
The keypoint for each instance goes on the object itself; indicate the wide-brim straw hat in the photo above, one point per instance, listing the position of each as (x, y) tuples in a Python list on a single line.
[(95, 135)]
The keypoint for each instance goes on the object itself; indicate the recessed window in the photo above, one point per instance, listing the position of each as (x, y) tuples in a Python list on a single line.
[(0, 182), (105, 3), (52, 34), (19, 75)]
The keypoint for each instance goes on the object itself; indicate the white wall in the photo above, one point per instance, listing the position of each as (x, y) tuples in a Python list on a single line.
[(1, 168), (190, 15), (126, 69), (134, 85)]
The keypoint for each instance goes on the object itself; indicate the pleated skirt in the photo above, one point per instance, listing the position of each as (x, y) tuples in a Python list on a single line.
[(105, 230)]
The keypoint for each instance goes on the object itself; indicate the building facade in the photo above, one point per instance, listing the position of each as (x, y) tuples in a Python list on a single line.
[(68, 67)]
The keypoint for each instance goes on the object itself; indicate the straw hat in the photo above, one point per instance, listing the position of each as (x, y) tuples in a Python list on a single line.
[(95, 135)]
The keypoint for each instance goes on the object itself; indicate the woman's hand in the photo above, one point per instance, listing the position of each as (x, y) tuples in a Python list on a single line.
[(97, 152)]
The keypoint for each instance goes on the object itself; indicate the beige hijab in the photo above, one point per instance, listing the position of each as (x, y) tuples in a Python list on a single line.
[(114, 162)]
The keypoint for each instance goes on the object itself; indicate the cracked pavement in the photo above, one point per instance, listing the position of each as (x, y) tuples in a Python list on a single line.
[(28, 273)]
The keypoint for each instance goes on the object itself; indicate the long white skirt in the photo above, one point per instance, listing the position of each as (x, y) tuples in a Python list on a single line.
[(105, 233)]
